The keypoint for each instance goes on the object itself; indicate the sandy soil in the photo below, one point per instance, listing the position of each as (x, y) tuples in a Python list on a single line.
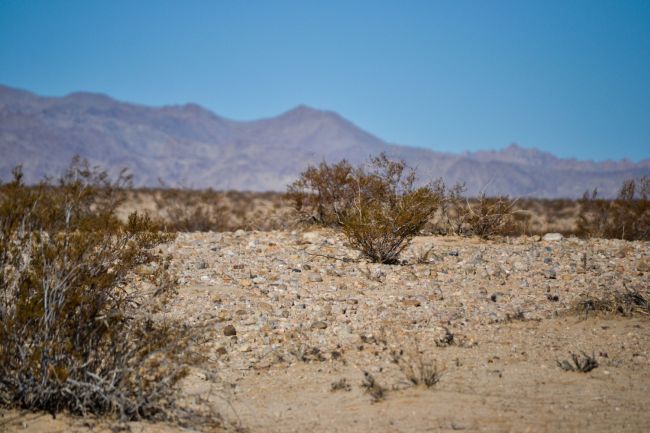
[(493, 318)]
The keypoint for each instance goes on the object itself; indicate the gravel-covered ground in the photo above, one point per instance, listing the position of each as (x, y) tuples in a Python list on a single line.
[(293, 323)]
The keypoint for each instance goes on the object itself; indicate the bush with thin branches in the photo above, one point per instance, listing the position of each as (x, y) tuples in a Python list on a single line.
[(625, 217), (74, 333)]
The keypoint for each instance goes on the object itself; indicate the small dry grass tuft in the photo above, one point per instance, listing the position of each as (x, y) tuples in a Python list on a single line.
[(484, 216), (371, 387), (628, 303), (579, 363), (626, 217), (341, 385)]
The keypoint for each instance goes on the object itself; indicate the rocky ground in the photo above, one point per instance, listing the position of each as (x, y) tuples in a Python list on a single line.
[(300, 335)]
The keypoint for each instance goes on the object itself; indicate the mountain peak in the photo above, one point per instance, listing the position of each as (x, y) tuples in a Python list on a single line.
[(191, 144), (301, 111), (89, 98)]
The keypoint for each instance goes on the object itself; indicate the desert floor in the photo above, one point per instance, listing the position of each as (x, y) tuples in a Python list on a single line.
[(489, 320)]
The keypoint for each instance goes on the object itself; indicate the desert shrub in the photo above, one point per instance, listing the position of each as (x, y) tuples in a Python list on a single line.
[(388, 210), (625, 217), (484, 216), (74, 334), (379, 207), (186, 210), (324, 194), (579, 363), (610, 301)]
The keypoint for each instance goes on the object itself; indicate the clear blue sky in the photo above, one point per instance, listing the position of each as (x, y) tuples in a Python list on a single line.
[(570, 77)]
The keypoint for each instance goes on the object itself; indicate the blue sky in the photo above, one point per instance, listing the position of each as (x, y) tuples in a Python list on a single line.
[(569, 77)]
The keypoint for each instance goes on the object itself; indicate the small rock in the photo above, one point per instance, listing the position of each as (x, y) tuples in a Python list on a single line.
[(311, 237), (552, 237), (520, 266), (229, 330), (202, 265), (552, 298), (550, 274), (411, 302), (496, 296), (319, 324), (315, 277), (643, 265)]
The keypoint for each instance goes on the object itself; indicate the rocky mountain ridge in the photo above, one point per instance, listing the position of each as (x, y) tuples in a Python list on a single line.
[(191, 146)]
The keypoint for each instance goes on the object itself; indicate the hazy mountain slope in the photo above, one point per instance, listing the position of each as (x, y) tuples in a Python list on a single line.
[(191, 145)]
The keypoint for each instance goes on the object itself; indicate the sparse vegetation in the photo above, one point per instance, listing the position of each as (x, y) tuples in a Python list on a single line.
[(74, 335), (341, 385), (376, 391), (625, 303), (184, 210), (484, 216), (626, 217), (324, 194), (379, 208), (389, 210), (580, 363)]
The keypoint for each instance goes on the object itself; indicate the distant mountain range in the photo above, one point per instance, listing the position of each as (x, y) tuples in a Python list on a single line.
[(189, 145)]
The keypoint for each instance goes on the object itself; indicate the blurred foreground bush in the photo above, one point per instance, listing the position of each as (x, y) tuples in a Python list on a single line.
[(71, 337)]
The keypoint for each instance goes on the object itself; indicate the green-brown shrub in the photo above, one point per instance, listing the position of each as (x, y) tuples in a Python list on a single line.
[(324, 194), (186, 210), (378, 207), (71, 337), (483, 216), (625, 217)]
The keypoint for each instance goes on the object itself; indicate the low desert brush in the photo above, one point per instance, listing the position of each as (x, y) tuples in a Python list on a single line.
[(625, 217), (484, 216), (72, 333), (378, 206)]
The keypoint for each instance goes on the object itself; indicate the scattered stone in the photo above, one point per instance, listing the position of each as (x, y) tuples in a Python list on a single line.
[(319, 324), (550, 274), (229, 330), (311, 237), (411, 302), (643, 265), (552, 237), (494, 297), (315, 277)]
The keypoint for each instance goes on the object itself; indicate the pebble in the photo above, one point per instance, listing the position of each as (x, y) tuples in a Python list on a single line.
[(319, 324), (229, 330), (411, 302), (552, 237), (314, 277)]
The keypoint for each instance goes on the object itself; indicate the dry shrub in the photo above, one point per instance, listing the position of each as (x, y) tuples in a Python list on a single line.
[(378, 207), (484, 216), (626, 217), (371, 387), (324, 194), (185, 210), (580, 364), (612, 301), (388, 210), (73, 333)]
